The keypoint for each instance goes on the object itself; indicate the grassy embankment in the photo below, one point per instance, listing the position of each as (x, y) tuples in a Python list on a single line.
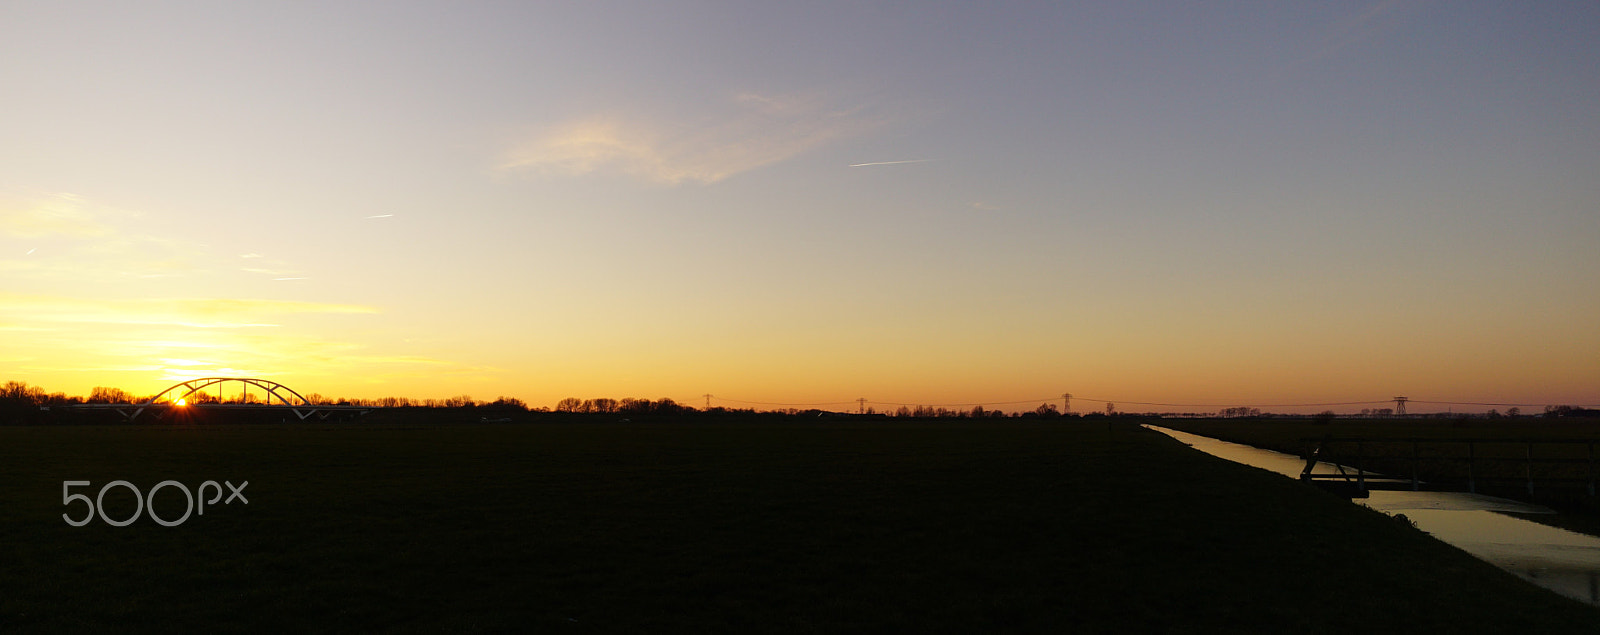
[(718, 527)]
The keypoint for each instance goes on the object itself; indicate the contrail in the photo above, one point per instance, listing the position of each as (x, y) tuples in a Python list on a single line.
[(381, 216), (858, 165), (280, 279), (30, 251)]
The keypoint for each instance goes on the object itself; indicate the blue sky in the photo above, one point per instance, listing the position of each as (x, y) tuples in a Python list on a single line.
[(1175, 202)]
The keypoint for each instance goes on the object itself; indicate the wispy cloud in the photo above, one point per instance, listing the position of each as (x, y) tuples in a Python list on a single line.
[(85, 240), (154, 354), (267, 306), (862, 165), (145, 340), (1364, 26), (58, 214), (191, 313), (277, 269), (761, 130)]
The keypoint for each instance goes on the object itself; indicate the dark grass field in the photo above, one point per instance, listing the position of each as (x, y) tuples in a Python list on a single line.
[(717, 527)]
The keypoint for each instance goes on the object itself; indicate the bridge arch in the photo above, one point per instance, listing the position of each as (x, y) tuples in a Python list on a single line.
[(182, 390)]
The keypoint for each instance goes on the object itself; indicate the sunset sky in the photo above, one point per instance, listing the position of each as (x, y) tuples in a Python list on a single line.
[(1241, 203)]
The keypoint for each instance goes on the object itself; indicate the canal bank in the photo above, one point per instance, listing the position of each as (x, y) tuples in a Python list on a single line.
[(1562, 561)]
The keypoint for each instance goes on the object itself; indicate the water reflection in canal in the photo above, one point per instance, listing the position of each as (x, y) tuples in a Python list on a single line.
[(1562, 561)]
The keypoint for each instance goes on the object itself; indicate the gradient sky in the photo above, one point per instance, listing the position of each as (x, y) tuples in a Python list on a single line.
[(1235, 203)]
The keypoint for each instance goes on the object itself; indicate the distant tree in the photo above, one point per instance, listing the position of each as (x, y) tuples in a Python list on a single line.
[(318, 400), (977, 411), (508, 403), (1047, 410), (61, 399), (666, 406), (1514, 412), (1570, 411), (20, 393), (570, 404), (100, 394)]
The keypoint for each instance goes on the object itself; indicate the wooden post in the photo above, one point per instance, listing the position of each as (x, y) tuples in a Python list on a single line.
[(1415, 458), (1529, 468), (1311, 462), (1472, 484), (1361, 472)]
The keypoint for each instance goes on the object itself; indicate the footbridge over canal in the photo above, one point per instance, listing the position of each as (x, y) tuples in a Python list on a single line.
[(1454, 464)]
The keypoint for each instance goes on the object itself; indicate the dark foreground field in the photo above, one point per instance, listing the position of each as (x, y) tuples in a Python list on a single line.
[(753, 527)]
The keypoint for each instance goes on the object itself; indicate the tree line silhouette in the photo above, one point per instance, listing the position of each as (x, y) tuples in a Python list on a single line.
[(18, 397)]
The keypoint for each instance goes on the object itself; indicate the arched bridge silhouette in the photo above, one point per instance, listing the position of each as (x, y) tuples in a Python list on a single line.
[(276, 397), (273, 389)]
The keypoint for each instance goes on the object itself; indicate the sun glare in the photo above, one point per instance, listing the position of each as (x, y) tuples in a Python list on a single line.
[(181, 402)]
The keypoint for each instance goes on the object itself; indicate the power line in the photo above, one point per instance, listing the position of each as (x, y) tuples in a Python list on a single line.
[(774, 403), (863, 401), (1476, 403), (1145, 403), (1216, 405), (973, 403)]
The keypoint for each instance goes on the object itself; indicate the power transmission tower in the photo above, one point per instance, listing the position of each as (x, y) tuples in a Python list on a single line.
[(708, 400), (1066, 402), (863, 405), (1400, 406)]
